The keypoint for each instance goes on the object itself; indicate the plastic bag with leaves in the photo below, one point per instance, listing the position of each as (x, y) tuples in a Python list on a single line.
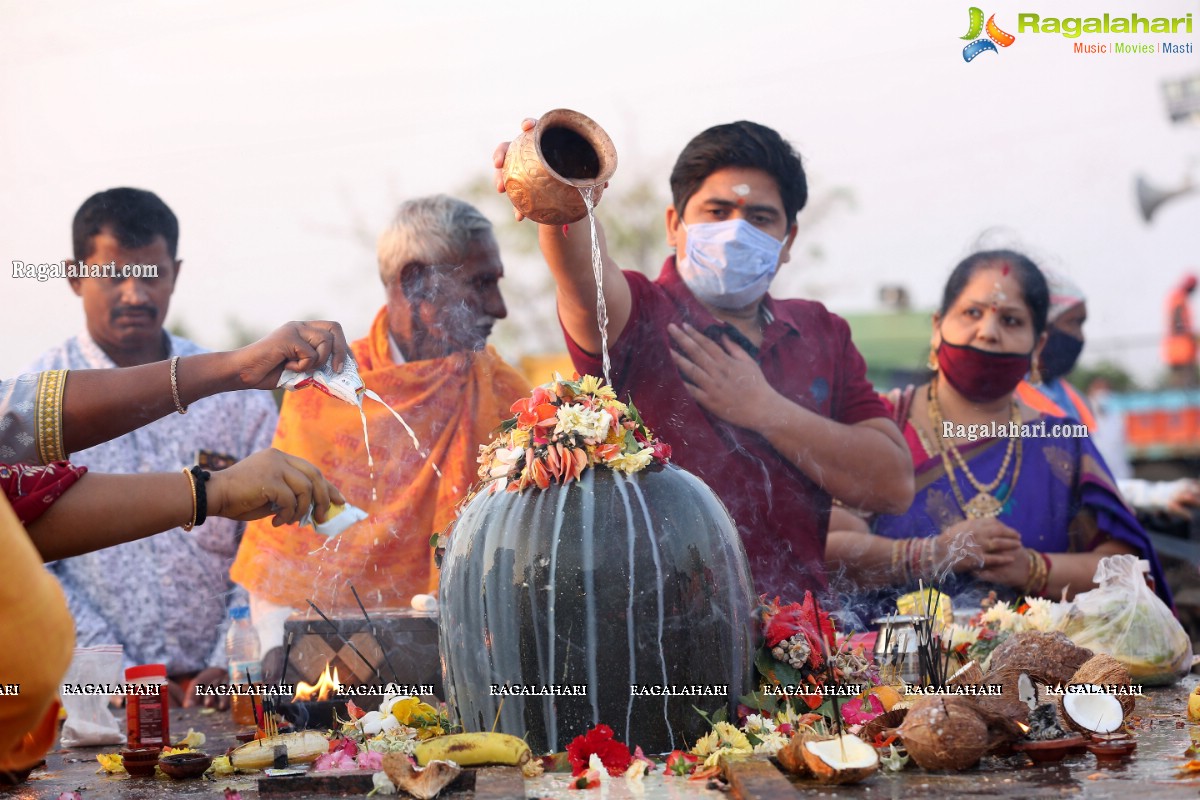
[(1124, 618)]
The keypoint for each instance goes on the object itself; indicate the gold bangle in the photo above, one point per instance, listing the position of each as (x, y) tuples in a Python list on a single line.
[(187, 526), (180, 407)]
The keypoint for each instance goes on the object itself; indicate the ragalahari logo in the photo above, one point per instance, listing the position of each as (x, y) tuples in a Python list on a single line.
[(995, 36)]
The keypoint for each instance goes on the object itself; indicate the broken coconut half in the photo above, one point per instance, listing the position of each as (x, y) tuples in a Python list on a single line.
[(421, 782), (1090, 709), (840, 759)]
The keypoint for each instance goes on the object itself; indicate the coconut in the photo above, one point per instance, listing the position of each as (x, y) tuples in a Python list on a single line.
[(839, 759), (1104, 670), (1092, 712), (791, 756), (1049, 658), (970, 674), (887, 721), (421, 782), (945, 733), (1008, 703)]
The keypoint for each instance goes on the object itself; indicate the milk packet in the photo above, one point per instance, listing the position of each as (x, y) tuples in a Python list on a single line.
[(339, 518), (344, 385)]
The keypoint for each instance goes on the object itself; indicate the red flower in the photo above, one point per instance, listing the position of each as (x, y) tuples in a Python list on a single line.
[(354, 711), (535, 409), (599, 740), (681, 763), (662, 451), (802, 618)]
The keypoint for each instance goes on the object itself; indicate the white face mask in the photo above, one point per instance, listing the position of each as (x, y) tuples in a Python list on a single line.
[(729, 264)]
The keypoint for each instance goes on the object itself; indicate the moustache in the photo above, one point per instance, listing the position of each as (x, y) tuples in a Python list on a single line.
[(124, 310)]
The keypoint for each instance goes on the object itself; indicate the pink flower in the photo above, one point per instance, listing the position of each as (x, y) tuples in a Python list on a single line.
[(860, 711)]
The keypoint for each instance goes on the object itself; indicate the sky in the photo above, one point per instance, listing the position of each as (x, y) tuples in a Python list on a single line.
[(284, 134)]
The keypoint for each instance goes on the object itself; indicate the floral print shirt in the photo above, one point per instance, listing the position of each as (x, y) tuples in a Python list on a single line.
[(164, 598)]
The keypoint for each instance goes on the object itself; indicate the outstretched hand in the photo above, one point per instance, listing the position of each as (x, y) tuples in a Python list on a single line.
[(723, 378), (270, 482), (298, 346)]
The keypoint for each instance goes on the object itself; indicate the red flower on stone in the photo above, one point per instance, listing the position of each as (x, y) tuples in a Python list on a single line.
[(681, 763), (599, 740)]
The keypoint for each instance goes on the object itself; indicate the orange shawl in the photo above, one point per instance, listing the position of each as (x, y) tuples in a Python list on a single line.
[(452, 404)]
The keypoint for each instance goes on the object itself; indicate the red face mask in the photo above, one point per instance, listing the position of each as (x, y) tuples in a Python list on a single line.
[(979, 375)]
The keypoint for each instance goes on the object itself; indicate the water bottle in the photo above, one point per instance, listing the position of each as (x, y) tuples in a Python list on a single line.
[(242, 649)]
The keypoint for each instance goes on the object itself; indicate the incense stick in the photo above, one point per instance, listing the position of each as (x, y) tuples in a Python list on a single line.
[(345, 641), (375, 634)]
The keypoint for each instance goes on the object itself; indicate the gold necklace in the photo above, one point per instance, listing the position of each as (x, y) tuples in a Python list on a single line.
[(984, 504)]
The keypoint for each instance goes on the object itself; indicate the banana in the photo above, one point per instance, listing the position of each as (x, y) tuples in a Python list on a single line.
[(302, 747), (474, 749)]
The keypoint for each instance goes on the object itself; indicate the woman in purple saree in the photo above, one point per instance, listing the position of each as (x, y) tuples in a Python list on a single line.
[(1007, 499)]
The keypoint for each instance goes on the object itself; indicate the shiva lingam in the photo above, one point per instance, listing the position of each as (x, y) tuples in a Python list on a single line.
[(547, 166), (574, 592)]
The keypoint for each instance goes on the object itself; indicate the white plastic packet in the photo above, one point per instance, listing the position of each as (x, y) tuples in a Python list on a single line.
[(339, 519), (344, 385), (89, 721), (1125, 619)]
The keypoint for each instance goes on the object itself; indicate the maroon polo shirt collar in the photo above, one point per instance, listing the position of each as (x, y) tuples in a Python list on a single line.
[(779, 324)]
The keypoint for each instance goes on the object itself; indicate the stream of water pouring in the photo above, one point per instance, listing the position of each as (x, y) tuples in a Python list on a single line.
[(598, 271)]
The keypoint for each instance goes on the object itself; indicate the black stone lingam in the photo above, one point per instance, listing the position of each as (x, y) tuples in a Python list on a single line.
[(607, 583)]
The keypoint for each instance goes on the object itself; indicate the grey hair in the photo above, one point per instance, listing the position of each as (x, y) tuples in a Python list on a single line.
[(429, 230)]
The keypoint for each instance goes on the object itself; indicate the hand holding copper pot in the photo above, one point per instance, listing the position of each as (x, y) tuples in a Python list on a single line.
[(543, 169)]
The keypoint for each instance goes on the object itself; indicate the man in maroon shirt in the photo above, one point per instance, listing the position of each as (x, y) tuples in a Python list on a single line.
[(765, 400)]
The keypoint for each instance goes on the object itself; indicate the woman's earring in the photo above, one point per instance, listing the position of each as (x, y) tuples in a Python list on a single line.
[(1035, 375), (931, 362)]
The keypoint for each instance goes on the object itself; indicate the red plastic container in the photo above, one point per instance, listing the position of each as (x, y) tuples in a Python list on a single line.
[(146, 719)]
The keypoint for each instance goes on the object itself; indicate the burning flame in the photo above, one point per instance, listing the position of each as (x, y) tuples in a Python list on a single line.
[(323, 689), (1024, 728)]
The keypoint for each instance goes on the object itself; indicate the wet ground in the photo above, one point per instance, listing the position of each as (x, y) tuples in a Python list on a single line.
[(1162, 731)]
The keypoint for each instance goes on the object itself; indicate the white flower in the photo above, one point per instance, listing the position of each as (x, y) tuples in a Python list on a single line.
[(758, 725), (586, 422), (503, 461), (383, 784), (595, 763), (770, 743)]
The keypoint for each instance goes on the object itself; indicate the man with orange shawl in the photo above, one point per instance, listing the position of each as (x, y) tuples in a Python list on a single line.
[(427, 357)]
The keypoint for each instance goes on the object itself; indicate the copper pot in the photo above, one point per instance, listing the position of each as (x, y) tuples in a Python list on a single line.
[(547, 166)]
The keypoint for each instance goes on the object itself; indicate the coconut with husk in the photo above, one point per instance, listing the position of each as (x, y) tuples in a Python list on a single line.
[(791, 756), (1104, 670), (1050, 658), (945, 733), (885, 723), (969, 674), (843, 758), (1008, 703), (423, 783)]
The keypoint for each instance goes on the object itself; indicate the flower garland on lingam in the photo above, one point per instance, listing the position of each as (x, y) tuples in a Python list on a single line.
[(563, 428)]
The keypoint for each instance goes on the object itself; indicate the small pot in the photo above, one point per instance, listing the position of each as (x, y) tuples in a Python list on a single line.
[(546, 167), (140, 761), (180, 766), (1112, 751), (1050, 750)]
